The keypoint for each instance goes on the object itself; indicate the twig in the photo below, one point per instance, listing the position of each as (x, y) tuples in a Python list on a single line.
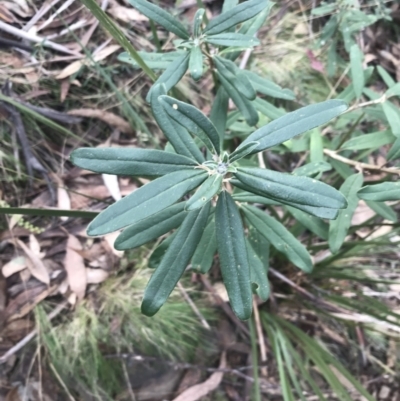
[(193, 306), (360, 165), (53, 16), (60, 380), (45, 8), (14, 43), (36, 39), (382, 99), (128, 382), (263, 351), (31, 335)]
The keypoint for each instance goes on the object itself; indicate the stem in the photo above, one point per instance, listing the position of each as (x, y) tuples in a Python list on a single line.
[(155, 35), (254, 361), (382, 99), (359, 165)]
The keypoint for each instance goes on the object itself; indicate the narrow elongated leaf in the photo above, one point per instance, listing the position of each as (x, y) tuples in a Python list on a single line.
[(196, 63), (267, 87), (312, 169), (242, 152), (151, 228), (258, 273), (393, 116), (369, 141), (219, 112), (383, 210), (256, 197), (173, 74), (193, 120), (386, 191), (204, 255), (235, 76), (268, 109), (160, 16), (295, 123), (133, 162), (175, 261), (394, 152), (338, 228), (233, 256), (146, 201), (314, 224), (393, 90), (279, 237), (248, 197), (177, 135), (235, 15), (210, 187), (155, 61), (232, 39), (197, 22), (356, 69), (157, 255), (243, 104), (288, 188)]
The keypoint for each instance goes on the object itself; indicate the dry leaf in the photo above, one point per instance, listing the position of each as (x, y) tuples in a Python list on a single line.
[(95, 276), (202, 389), (105, 52), (70, 69), (110, 239), (37, 268), (106, 116), (111, 182), (34, 246), (14, 266), (63, 201), (64, 89), (75, 267), (126, 14)]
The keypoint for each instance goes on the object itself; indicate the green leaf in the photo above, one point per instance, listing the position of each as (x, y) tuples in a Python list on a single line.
[(233, 256), (393, 116), (386, 191), (219, 112), (269, 88), (236, 77), (108, 24), (248, 197), (228, 5), (268, 109), (177, 135), (314, 224), (155, 61), (235, 15), (193, 120), (175, 261), (210, 187), (394, 152), (196, 63), (160, 16), (157, 255), (321, 212), (383, 210), (387, 78), (258, 273), (173, 74), (197, 22), (242, 152), (232, 39), (146, 201), (356, 69), (132, 162), (203, 257), (151, 228), (279, 237), (288, 188), (393, 90), (316, 146), (295, 123), (338, 228), (243, 104), (369, 141)]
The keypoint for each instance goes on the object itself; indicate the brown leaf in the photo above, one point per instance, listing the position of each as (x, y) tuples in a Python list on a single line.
[(37, 268), (14, 266), (64, 89), (201, 390), (63, 201), (75, 267), (126, 14), (106, 116), (95, 276)]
